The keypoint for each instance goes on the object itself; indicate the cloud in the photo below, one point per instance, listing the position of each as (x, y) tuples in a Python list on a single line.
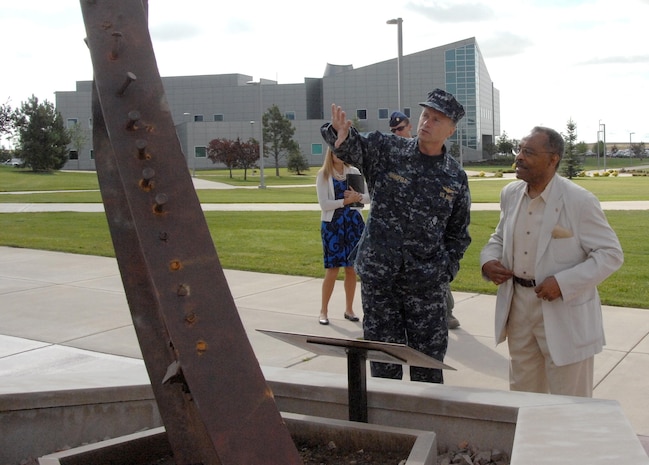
[(167, 32), (504, 44), (453, 13), (551, 4), (238, 26), (617, 60)]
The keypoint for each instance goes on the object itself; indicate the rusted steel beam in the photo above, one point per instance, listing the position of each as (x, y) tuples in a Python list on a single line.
[(211, 393)]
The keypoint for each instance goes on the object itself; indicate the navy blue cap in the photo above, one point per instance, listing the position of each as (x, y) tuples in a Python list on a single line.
[(444, 102), (397, 117)]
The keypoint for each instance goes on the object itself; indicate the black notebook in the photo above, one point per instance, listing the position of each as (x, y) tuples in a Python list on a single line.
[(355, 181)]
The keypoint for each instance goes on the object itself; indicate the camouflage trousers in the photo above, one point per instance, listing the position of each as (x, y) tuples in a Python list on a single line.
[(404, 314)]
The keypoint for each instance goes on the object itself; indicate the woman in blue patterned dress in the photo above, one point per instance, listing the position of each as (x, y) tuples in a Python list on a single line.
[(341, 228)]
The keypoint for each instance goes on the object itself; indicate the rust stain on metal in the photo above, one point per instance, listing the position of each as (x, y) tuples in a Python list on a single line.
[(201, 347)]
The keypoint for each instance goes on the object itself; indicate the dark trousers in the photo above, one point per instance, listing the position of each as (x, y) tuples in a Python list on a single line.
[(413, 315)]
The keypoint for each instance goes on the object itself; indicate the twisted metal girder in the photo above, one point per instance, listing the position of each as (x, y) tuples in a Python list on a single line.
[(211, 393)]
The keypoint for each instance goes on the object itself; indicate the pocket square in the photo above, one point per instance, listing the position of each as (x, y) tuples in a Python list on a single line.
[(560, 232)]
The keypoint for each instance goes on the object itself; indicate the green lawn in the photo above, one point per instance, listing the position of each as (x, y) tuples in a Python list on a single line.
[(482, 189), (289, 242)]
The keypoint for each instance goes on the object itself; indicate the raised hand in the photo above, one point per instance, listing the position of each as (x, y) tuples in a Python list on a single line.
[(340, 123)]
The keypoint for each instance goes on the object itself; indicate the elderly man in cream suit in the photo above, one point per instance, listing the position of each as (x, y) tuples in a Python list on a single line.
[(550, 250)]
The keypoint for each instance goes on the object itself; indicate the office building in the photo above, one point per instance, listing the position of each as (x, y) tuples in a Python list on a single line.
[(227, 106)]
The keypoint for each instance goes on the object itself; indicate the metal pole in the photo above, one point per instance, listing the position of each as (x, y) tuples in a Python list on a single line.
[(598, 133), (189, 117), (630, 151), (602, 125), (461, 160), (357, 384), (262, 185), (399, 23)]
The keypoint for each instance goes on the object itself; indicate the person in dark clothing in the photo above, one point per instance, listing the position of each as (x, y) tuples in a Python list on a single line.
[(401, 126), (417, 231)]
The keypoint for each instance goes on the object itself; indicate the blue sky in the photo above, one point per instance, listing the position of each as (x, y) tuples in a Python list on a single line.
[(551, 60)]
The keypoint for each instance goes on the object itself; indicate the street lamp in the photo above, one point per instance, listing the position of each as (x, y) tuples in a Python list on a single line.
[(187, 144), (461, 155), (598, 141), (602, 125), (630, 134), (398, 22), (262, 185)]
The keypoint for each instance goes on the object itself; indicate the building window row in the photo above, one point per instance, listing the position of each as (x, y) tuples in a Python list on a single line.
[(219, 117)]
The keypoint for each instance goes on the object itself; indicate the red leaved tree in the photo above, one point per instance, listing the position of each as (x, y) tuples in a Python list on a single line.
[(223, 151)]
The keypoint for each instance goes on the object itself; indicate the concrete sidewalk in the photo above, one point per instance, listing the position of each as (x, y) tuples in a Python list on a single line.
[(65, 324), (99, 207)]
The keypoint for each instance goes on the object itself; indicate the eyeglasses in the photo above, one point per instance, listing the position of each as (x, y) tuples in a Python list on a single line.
[(527, 152), (398, 128)]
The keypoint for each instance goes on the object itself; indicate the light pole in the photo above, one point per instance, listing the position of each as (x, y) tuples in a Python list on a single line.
[(187, 142), (262, 185), (630, 151), (461, 155), (598, 140), (398, 22), (602, 125)]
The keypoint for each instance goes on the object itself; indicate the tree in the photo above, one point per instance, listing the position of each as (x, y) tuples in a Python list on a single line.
[(297, 163), (223, 151), (637, 150), (234, 154), (504, 144), (278, 134), (6, 119), (454, 151), (491, 149), (78, 137), (581, 148), (571, 165), (598, 149), (357, 123), (43, 139), (248, 155)]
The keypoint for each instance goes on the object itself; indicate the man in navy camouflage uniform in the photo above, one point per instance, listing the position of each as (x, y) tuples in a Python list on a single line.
[(401, 126), (417, 231)]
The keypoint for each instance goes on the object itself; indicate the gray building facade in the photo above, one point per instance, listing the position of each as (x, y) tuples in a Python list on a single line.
[(228, 106)]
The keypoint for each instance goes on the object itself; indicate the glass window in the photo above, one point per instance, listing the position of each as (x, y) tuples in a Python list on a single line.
[(74, 155), (92, 154), (218, 117), (361, 114), (406, 111), (316, 149), (198, 118), (290, 115), (71, 122), (383, 113), (200, 152)]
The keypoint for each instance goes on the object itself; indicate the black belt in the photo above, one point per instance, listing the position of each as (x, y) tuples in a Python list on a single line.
[(525, 282)]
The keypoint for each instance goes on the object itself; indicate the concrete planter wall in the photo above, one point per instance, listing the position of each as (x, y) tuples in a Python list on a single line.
[(419, 447), (530, 428)]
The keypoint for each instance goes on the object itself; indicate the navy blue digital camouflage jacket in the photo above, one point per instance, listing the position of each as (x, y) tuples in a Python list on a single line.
[(420, 208)]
